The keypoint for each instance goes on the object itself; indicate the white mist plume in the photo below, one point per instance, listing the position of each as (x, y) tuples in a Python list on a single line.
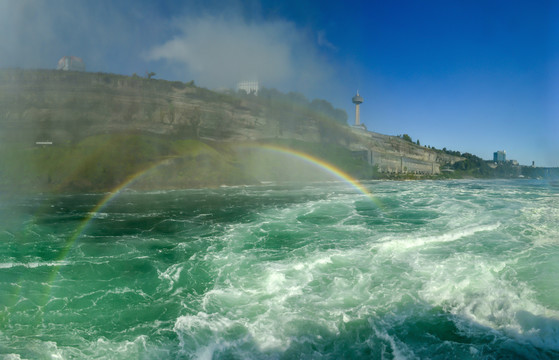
[(220, 51), (127, 37), (36, 33)]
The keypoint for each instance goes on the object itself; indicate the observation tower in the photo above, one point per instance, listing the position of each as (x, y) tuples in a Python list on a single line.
[(357, 100)]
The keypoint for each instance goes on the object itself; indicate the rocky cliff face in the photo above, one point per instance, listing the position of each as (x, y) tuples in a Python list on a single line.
[(392, 154), (66, 107), (38, 105)]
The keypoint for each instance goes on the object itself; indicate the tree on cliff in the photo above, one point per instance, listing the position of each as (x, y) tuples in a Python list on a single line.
[(280, 102), (406, 137), (474, 165), (327, 109)]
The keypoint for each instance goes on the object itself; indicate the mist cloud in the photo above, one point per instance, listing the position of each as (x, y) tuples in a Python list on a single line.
[(36, 33), (220, 51), (324, 42), (213, 45)]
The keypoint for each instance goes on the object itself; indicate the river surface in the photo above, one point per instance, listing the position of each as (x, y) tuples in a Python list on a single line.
[(429, 269)]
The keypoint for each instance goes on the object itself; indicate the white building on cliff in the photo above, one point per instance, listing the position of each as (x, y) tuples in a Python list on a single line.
[(71, 63), (250, 87)]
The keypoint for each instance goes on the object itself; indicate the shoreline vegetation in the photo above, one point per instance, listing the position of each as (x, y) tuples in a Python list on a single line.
[(71, 132), (103, 163)]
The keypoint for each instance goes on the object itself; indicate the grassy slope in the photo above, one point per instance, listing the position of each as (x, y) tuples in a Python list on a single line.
[(105, 162), (277, 166)]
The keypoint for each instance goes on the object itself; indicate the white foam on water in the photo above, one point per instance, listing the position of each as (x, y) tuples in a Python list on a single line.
[(479, 290), (276, 299), (413, 241), (399, 350), (102, 348), (541, 221), (98, 215), (115, 292), (171, 275), (121, 349), (34, 264), (337, 278), (201, 335), (12, 357)]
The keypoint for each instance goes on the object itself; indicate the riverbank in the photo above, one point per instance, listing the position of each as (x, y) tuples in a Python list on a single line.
[(106, 162)]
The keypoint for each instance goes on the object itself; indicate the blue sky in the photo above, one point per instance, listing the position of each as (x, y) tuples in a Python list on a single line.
[(473, 76)]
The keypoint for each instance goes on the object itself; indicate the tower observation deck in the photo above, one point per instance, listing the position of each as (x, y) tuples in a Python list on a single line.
[(357, 100)]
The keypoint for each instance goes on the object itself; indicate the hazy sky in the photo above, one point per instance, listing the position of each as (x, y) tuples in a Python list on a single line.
[(474, 76)]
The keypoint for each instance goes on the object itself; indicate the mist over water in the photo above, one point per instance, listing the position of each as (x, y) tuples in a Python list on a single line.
[(443, 269)]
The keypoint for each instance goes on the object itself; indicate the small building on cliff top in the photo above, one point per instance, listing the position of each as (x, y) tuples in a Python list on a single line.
[(70, 63), (250, 87)]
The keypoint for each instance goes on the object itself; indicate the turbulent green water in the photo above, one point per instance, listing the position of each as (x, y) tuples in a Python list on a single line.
[(448, 269)]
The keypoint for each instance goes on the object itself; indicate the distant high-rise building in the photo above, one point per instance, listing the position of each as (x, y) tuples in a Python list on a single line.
[(500, 156)]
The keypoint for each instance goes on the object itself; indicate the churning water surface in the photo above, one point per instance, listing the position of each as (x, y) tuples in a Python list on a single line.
[(432, 269)]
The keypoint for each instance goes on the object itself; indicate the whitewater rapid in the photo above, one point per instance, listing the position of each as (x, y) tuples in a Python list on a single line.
[(430, 269)]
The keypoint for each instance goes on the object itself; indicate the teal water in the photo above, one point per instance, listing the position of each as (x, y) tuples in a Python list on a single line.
[(443, 269)]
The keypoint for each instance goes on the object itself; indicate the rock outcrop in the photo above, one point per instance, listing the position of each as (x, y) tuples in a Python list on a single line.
[(391, 154)]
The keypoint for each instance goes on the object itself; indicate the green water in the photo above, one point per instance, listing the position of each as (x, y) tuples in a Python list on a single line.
[(449, 269)]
